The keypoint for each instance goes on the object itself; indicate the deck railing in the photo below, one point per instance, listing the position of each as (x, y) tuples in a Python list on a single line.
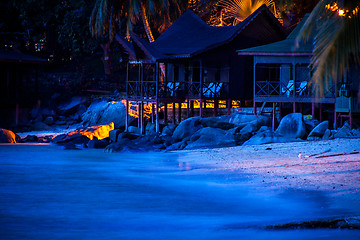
[(291, 89), (147, 89)]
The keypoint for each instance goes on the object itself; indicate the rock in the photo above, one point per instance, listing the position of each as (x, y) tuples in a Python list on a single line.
[(178, 145), (168, 130), (127, 135), (49, 120), (318, 132), (100, 132), (217, 122), (95, 143), (150, 128), (328, 135), (30, 138), (135, 130), (210, 137), (103, 112), (71, 107), (59, 122), (292, 126), (355, 132), (344, 131), (7, 136), (265, 137), (186, 128), (249, 128), (113, 134), (40, 126), (241, 119)]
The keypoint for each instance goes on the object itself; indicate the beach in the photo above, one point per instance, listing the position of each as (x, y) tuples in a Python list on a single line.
[(297, 165)]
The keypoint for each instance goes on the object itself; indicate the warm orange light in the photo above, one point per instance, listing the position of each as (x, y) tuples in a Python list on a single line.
[(100, 132), (341, 12), (134, 109)]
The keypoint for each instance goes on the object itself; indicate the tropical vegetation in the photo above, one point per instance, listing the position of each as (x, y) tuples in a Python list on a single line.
[(336, 27)]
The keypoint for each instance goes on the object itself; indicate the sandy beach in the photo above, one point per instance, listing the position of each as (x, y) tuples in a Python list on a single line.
[(280, 166)]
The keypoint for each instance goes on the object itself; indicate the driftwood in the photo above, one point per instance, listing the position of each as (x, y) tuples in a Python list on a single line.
[(338, 154), (316, 154)]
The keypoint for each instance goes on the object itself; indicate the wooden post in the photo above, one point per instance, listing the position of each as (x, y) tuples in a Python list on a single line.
[(215, 108), (174, 113), (254, 108), (201, 107), (273, 117), (127, 116), (313, 110), (152, 112), (188, 109), (165, 113), (294, 107), (229, 105), (141, 116), (320, 109), (335, 120), (179, 112), (192, 108), (157, 127), (139, 113)]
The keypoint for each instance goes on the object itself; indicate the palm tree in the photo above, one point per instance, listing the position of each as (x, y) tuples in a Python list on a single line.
[(336, 26), (108, 17), (238, 10)]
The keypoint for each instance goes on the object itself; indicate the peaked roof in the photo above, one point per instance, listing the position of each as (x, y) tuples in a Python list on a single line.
[(12, 56), (189, 36), (285, 47)]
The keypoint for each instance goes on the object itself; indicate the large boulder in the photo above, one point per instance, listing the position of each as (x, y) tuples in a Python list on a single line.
[(168, 130), (210, 137), (187, 128), (103, 112), (217, 122), (268, 136), (71, 106), (318, 132), (292, 126), (7, 136), (241, 119), (344, 131)]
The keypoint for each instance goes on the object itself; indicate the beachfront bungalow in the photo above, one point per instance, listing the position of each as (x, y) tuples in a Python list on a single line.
[(194, 62), (282, 74), (19, 86)]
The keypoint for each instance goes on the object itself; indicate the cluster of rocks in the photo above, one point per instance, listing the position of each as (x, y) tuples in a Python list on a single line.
[(224, 131), (107, 118)]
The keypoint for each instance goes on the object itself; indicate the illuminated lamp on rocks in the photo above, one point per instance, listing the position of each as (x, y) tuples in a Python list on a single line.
[(100, 132)]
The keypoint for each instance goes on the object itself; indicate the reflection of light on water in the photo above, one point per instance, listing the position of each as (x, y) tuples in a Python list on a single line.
[(185, 166)]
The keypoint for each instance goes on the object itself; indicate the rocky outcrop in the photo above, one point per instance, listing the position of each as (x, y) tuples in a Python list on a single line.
[(344, 131), (71, 107), (268, 136), (318, 132), (103, 112), (209, 138), (186, 128), (7, 136), (292, 126)]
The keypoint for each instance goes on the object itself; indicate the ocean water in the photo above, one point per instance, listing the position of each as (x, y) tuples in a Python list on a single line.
[(50, 193)]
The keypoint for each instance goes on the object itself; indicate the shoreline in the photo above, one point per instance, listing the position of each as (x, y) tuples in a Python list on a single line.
[(278, 166)]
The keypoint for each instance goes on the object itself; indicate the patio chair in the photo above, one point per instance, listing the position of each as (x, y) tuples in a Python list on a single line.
[(289, 88), (172, 87), (301, 88)]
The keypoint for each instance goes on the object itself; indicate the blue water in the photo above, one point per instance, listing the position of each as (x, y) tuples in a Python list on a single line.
[(50, 193)]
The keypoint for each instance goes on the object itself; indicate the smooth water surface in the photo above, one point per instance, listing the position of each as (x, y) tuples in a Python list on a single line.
[(50, 193)]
